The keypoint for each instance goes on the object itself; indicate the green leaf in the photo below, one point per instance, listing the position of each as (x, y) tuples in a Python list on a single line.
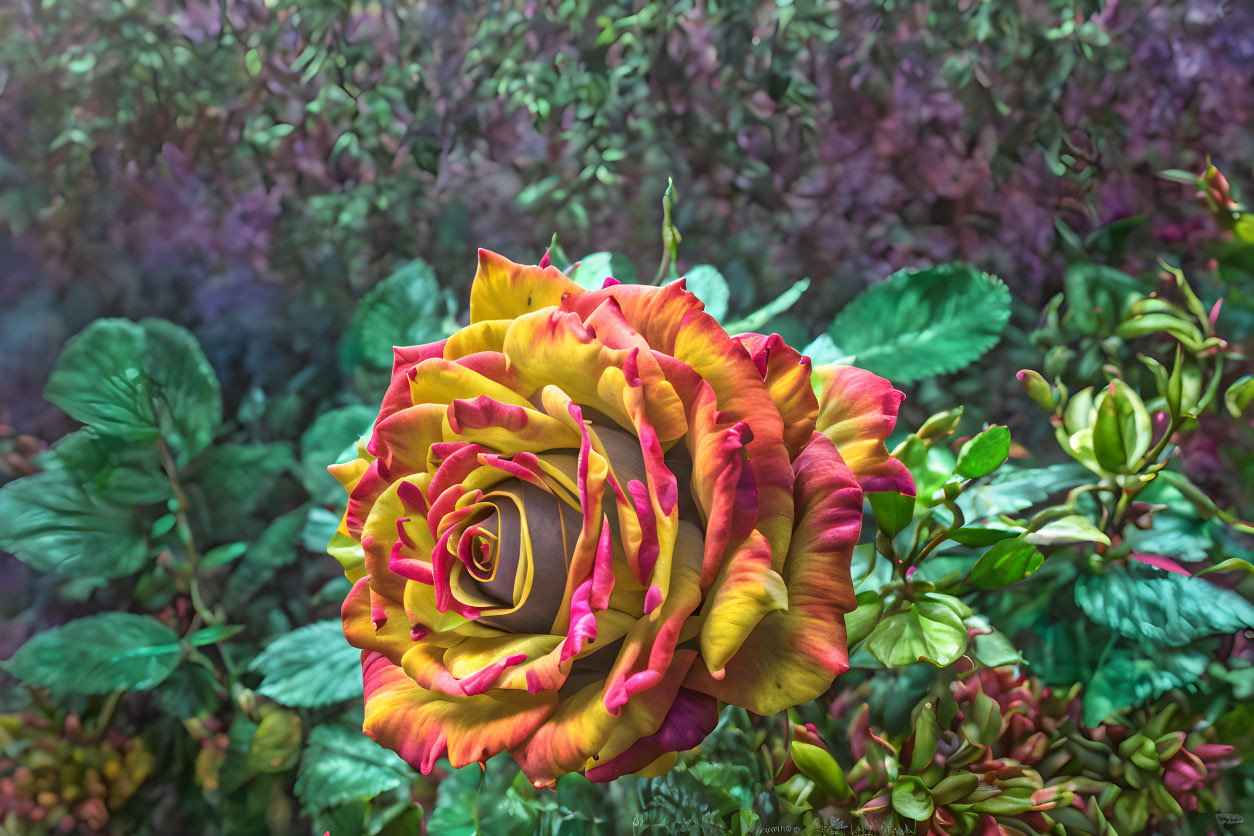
[(1240, 393), (594, 269), (819, 766), (979, 537), (137, 381), (711, 288), (51, 523), (754, 321), (275, 745), (931, 630), (1015, 490), (1006, 563), (1073, 528), (1154, 324), (1166, 608), (860, 622), (912, 799), (223, 555), (233, 480), (330, 440), (892, 511), (120, 471), (983, 454), (1232, 564), (1122, 429), (252, 62), (310, 667), (407, 308), (1188, 178), (994, 650), (340, 764), (495, 800), (1128, 677), (920, 323), (190, 691), (214, 634), (269, 553), (97, 654)]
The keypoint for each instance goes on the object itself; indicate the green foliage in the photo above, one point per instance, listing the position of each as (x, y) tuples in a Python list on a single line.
[(98, 654), (268, 555), (124, 472), (920, 323), (1134, 676), (819, 766), (983, 454), (496, 799), (1164, 607), (330, 439), (341, 764), (310, 667), (930, 630), (711, 288), (759, 318), (138, 381), (912, 798), (409, 307), (56, 524), (591, 271), (1008, 561), (275, 744)]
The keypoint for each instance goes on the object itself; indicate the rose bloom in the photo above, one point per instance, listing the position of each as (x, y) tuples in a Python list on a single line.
[(588, 517)]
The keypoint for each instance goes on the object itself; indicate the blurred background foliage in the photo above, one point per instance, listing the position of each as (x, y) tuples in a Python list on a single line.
[(301, 185), (250, 169)]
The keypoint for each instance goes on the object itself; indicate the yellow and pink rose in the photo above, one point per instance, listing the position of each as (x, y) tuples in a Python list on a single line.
[(588, 518)]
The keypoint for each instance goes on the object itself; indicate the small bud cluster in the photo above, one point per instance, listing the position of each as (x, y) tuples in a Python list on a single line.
[(57, 778), (998, 751)]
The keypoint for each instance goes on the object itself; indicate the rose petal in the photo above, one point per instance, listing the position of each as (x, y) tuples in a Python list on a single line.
[(857, 411), (505, 290), (422, 726), (793, 656)]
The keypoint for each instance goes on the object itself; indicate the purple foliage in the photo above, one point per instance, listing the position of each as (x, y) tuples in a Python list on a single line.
[(905, 139)]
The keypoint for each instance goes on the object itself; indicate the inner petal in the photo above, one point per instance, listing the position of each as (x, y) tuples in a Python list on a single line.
[(551, 530)]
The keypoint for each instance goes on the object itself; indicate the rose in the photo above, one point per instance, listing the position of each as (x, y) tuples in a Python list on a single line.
[(588, 517)]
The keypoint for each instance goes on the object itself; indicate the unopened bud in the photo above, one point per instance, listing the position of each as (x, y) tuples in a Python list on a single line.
[(940, 425), (1037, 389)]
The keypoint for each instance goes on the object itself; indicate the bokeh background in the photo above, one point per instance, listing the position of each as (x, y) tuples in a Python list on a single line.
[(252, 169)]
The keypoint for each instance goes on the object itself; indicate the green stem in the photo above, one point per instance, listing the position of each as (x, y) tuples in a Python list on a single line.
[(185, 527), (670, 236), (1152, 454), (106, 714)]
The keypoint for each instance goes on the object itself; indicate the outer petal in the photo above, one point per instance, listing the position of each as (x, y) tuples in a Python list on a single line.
[(404, 360), (691, 718), (422, 726), (504, 290), (858, 411), (746, 590), (787, 375), (793, 656), (377, 625), (673, 321), (443, 381), (575, 731)]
